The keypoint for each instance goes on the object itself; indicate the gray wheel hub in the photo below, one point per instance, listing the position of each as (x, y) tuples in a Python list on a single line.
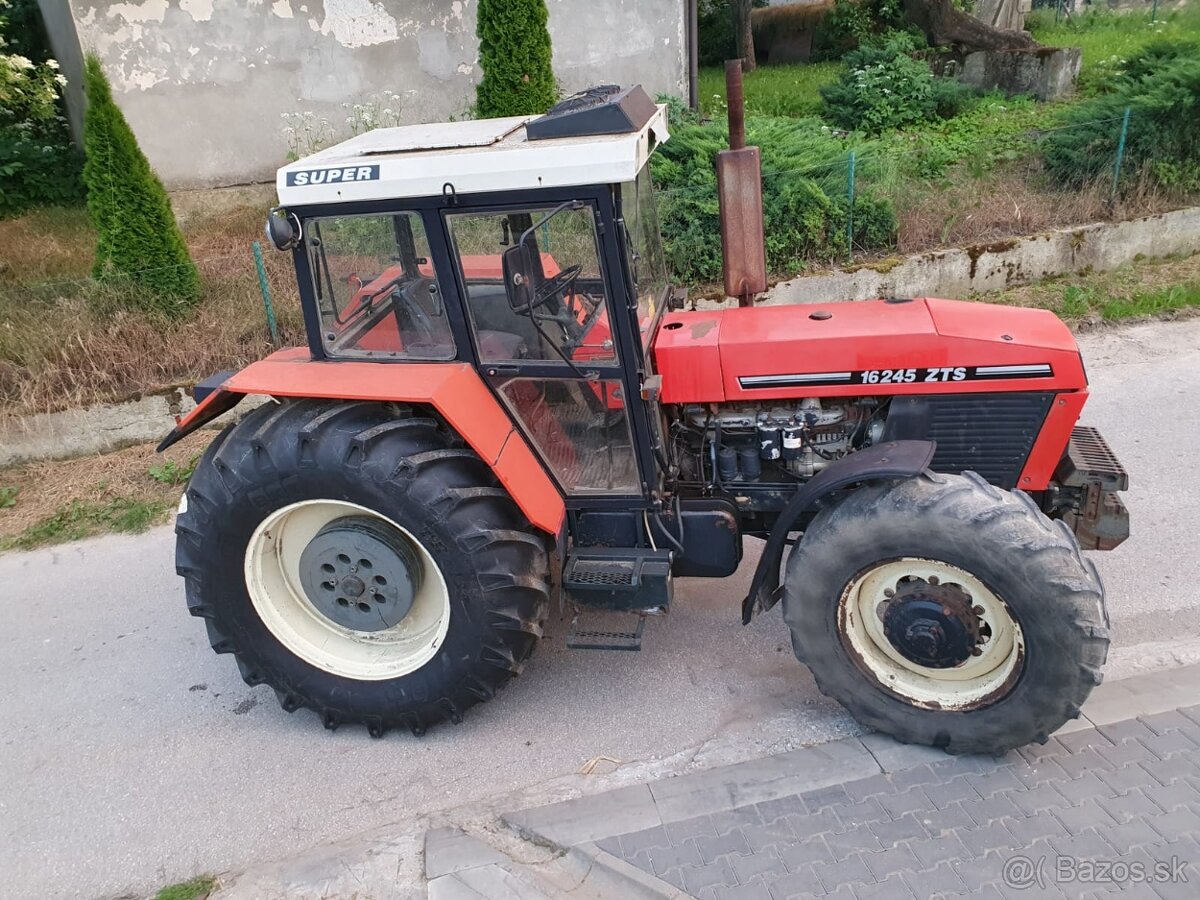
[(360, 573)]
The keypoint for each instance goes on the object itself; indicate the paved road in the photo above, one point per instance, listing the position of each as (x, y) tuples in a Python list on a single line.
[(132, 756)]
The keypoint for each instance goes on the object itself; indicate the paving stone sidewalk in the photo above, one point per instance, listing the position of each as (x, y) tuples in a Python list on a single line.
[(1110, 804), (1114, 807)]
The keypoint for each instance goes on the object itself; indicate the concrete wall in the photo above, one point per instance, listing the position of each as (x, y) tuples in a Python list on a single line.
[(204, 83)]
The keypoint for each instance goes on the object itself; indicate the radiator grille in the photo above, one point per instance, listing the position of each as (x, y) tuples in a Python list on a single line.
[(991, 434)]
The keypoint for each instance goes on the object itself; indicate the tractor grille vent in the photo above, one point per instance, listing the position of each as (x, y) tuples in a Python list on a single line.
[(589, 571), (991, 434)]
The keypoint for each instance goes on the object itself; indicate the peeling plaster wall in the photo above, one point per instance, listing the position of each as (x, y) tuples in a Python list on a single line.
[(205, 83)]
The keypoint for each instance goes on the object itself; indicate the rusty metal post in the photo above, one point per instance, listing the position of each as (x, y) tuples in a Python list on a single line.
[(739, 190), (735, 101)]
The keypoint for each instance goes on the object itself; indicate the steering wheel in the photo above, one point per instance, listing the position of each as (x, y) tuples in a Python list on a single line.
[(557, 285)]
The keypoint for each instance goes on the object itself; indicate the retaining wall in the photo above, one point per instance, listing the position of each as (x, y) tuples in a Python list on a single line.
[(985, 268)]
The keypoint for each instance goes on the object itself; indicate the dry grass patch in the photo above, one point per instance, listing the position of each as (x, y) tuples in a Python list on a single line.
[(1009, 204), (64, 500), (67, 341)]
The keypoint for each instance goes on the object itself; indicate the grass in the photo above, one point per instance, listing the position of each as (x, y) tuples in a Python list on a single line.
[(195, 889), (127, 491), (1107, 37), (1149, 288), (792, 90)]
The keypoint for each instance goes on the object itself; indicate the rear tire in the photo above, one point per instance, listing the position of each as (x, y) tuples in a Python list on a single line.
[(392, 472), (1002, 568)]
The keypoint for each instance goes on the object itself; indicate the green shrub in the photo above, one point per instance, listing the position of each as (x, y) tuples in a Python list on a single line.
[(1164, 128), (38, 164), (137, 238), (515, 55), (804, 187), (885, 87)]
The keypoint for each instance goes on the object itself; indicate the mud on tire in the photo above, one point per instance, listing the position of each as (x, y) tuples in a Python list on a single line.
[(406, 465), (999, 537)]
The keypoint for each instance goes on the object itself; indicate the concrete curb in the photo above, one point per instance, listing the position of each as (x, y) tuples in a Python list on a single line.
[(582, 823), (100, 429)]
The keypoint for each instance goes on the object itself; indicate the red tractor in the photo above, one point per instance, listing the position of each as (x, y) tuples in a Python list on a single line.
[(503, 403)]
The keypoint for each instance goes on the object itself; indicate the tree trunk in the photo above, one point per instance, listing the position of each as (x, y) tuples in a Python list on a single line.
[(745, 33), (943, 24)]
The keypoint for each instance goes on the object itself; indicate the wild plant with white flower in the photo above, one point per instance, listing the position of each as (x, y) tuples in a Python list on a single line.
[(306, 133), (37, 161)]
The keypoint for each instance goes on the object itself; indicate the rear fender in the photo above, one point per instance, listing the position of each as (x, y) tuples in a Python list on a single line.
[(896, 459), (455, 390)]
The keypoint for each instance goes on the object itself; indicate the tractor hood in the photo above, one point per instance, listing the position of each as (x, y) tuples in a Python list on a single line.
[(859, 348)]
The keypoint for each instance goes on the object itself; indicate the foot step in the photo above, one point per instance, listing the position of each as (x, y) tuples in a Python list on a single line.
[(583, 636)]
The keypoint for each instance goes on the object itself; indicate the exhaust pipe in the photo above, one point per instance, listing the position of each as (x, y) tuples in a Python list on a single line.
[(739, 193)]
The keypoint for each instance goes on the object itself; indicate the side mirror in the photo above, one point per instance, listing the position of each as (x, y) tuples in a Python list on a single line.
[(518, 282), (283, 229)]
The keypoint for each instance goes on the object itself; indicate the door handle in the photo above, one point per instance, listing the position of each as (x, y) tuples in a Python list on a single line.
[(502, 370)]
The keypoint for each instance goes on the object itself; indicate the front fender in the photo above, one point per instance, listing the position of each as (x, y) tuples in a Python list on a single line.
[(895, 459), (454, 389)]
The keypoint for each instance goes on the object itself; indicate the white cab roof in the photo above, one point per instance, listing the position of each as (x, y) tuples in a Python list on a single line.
[(481, 155)]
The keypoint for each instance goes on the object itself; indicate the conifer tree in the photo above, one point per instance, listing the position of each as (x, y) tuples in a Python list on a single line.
[(137, 237), (515, 54)]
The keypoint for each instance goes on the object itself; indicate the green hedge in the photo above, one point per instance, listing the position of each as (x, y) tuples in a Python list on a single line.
[(804, 196), (1161, 88)]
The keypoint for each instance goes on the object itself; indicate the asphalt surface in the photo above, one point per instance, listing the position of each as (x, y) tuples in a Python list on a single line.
[(132, 756)]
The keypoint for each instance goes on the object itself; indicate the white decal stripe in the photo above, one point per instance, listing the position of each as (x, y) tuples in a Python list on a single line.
[(1039, 369), (759, 380)]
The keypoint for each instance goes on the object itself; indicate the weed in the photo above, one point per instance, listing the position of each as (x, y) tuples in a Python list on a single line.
[(173, 473), (8, 497), (195, 889)]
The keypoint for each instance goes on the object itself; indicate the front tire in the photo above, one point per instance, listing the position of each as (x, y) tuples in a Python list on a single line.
[(942, 610), (361, 561)]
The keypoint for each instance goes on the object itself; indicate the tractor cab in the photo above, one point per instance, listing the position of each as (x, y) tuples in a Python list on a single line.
[(527, 247)]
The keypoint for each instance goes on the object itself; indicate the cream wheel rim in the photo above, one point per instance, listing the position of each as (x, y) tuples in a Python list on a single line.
[(277, 592), (945, 615)]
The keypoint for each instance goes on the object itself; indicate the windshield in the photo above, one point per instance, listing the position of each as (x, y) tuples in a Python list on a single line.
[(377, 292)]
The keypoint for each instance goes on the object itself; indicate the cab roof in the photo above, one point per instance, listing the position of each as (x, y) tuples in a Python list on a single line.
[(559, 149)]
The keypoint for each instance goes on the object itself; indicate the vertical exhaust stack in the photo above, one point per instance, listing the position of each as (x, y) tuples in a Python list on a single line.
[(739, 191)]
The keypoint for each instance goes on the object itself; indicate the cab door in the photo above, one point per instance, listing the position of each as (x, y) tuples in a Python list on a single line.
[(560, 366)]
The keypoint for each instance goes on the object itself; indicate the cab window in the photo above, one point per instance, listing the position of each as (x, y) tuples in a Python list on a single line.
[(569, 318), (644, 246), (376, 289)]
